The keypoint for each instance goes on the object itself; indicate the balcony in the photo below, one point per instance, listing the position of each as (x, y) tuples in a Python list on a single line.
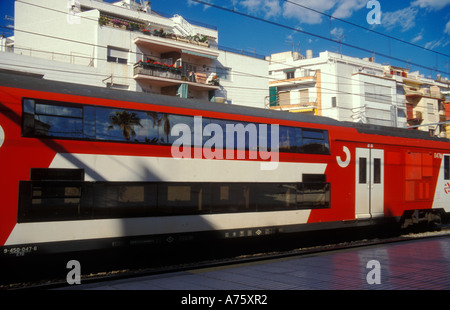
[(414, 118), (140, 27), (164, 75), (176, 44), (306, 105), (413, 92)]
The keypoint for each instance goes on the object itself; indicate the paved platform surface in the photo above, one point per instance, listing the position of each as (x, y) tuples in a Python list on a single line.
[(413, 265)]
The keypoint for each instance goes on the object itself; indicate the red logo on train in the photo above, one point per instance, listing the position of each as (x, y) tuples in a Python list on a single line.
[(447, 187)]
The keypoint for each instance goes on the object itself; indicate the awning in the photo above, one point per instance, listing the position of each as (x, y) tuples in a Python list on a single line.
[(304, 110), (198, 54)]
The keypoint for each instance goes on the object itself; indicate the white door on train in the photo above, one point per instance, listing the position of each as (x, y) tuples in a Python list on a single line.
[(369, 191)]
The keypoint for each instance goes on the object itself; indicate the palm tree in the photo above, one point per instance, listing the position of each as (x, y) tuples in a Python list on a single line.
[(159, 118), (126, 122)]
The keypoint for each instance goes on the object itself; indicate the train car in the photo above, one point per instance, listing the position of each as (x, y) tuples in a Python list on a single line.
[(86, 168)]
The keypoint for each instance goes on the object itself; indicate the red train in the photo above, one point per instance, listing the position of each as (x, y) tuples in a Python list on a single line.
[(91, 168)]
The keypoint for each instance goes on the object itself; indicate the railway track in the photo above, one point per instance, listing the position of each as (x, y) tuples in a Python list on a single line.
[(123, 273)]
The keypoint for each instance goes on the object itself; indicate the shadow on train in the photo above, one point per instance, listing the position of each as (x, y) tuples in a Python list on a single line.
[(140, 253)]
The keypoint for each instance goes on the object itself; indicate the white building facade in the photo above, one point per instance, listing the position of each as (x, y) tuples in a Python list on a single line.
[(358, 90), (337, 86), (126, 45)]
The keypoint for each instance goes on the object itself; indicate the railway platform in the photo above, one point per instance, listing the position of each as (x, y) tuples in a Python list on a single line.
[(421, 264)]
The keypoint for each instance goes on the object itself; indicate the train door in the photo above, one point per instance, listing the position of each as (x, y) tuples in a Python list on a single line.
[(369, 191)]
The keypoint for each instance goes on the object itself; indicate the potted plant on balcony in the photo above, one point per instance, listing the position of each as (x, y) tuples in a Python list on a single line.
[(182, 39), (158, 33), (214, 80), (103, 20), (119, 23), (203, 41), (134, 26)]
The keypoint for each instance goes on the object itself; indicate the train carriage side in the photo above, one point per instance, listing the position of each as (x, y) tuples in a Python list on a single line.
[(86, 183), (392, 174), (93, 182)]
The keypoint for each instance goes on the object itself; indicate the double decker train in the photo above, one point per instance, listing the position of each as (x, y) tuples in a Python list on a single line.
[(87, 168)]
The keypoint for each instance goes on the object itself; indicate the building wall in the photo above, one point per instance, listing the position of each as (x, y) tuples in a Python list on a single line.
[(51, 34), (340, 87), (248, 83)]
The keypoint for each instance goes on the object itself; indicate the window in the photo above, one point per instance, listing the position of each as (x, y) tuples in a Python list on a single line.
[(377, 171), (53, 174), (304, 96), (42, 119), (290, 75), (45, 118), (52, 200), (333, 102), (430, 108), (117, 55), (288, 139), (362, 170), (315, 141)]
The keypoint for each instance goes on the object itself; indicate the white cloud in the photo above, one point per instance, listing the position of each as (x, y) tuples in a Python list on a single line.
[(270, 8), (191, 3), (345, 8), (417, 38), (404, 18), (291, 10), (447, 28), (302, 10), (337, 33), (433, 44), (431, 4)]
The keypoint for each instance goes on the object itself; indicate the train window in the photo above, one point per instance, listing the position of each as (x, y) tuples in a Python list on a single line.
[(184, 198), (314, 178), (377, 170), (54, 174), (232, 197), (51, 200), (195, 126), (75, 200), (314, 195), (446, 167), (288, 141), (315, 141), (241, 135), (111, 199), (362, 170), (119, 125), (43, 119), (64, 120), (276, 196)]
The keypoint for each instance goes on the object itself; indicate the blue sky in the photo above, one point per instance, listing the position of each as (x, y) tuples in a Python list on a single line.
[(425, 23)]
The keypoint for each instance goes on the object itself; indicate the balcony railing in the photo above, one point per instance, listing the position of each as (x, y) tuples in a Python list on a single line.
[(279, 104), (185, 72), (158, 70), (130, 25)]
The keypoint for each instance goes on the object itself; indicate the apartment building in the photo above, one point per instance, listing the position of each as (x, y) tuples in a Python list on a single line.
[(425, 100), (338, 86), (127, 45), (356, 90)]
